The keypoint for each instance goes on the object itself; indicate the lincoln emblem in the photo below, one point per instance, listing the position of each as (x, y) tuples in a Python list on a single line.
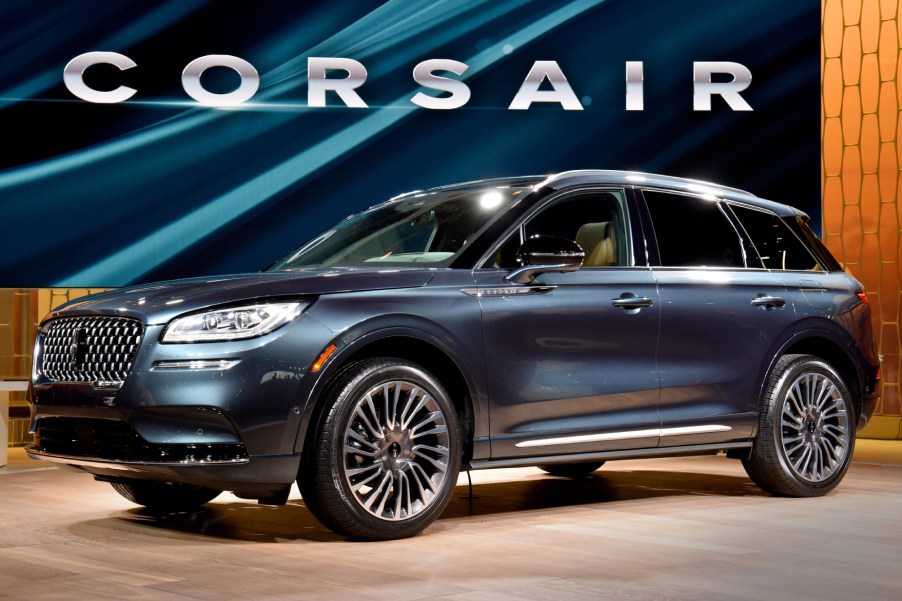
[(78, 348)]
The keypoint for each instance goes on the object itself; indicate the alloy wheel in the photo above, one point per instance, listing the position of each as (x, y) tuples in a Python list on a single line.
[(814, 427), (396, 450)]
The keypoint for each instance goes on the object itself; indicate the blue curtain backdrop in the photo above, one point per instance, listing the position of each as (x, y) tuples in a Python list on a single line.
[(158, 187)]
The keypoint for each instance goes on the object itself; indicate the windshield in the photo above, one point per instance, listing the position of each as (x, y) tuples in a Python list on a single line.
[(426, 228)]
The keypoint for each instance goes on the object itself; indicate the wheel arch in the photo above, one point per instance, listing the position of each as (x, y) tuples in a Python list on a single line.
[(833, 348), (416, 345)]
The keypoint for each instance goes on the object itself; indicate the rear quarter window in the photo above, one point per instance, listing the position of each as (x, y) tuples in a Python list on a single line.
[(776, 244)]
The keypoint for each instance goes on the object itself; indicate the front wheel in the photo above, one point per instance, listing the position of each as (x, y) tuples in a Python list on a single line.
[(165, 496), (385, 453), (806, 430)]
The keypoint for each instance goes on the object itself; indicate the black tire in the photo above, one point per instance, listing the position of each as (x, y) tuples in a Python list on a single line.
[(165, 496), (572, 470), (806, 432), (383, 458)]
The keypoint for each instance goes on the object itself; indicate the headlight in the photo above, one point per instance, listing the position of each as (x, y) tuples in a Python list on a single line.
[(234, 323)]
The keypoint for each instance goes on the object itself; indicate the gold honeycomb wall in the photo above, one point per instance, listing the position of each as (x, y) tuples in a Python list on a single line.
[(861, 86), (20, 312)]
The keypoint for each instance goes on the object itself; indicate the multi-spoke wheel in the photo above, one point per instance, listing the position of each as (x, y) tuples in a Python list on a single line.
[(385, 453), (571, 470), (807, 429)]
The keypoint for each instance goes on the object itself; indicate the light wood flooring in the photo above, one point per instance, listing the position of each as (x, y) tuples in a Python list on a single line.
[(682, 529)]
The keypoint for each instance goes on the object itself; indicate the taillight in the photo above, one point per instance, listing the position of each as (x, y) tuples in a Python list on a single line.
[(863, 296)]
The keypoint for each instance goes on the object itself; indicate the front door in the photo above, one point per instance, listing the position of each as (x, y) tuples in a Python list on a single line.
[(570, 358)]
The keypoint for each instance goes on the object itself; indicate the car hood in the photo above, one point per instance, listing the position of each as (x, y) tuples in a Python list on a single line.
[(159, 302)]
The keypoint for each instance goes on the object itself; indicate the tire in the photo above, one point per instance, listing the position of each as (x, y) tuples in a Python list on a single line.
[(572, 470), (806, 432), (385, 452), (166, 497)]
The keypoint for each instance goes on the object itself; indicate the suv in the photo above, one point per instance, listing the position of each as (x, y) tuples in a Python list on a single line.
[(555, 321)]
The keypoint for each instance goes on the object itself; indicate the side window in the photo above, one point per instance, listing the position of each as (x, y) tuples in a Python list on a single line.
[(777, 246), (692, 232), (595, 220)]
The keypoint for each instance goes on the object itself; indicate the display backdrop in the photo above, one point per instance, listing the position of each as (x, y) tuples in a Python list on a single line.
[(160, 187), (862, 71)]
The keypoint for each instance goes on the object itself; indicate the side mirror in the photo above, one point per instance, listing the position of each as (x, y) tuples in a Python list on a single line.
[(541, 254)]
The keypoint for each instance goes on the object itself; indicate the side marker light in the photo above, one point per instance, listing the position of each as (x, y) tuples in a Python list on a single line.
[(318, 364)]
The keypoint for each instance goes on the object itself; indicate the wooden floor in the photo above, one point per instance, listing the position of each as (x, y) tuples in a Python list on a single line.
[(655, 529)]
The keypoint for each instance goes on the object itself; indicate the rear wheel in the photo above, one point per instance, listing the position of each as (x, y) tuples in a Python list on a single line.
[(572, 470), (806, 432), (385, 453), (165, 496)]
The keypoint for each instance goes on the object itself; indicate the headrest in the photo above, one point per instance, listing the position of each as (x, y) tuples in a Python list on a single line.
[(597, 241)]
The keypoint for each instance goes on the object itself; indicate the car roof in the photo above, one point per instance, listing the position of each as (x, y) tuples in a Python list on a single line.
[(567, 179)]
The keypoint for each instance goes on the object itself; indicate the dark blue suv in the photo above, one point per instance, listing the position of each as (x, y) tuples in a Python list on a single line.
[(560, 322)]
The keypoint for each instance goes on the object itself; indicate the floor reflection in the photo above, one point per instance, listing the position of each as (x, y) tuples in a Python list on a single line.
[(246, 521)]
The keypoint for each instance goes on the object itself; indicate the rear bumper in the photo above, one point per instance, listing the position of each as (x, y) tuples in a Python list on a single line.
[(868, 406)]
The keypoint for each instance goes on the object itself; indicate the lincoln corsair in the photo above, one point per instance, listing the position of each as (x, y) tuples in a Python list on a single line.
[(558, 322)]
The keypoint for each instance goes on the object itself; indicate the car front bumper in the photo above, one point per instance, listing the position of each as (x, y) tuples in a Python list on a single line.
[(222, 415)]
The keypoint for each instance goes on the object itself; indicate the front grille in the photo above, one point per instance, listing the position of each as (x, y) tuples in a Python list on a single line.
[(118, 441), (90, 349)]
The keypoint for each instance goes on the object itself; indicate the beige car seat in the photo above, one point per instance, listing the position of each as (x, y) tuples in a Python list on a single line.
[(598, 242)]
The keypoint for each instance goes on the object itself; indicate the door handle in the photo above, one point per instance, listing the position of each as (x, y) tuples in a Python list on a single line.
[(768, 302), (632, 302)]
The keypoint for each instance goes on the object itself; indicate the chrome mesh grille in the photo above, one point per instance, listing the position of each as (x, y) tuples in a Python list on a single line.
[(90, 349)]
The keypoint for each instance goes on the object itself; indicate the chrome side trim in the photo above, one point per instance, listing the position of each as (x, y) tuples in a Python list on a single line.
[(683, 431), (113, 464), (694, 430), (217, 364), (507, 290), (687, 450)]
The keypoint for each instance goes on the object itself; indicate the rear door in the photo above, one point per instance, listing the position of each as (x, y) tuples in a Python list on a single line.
[(722, 315)]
